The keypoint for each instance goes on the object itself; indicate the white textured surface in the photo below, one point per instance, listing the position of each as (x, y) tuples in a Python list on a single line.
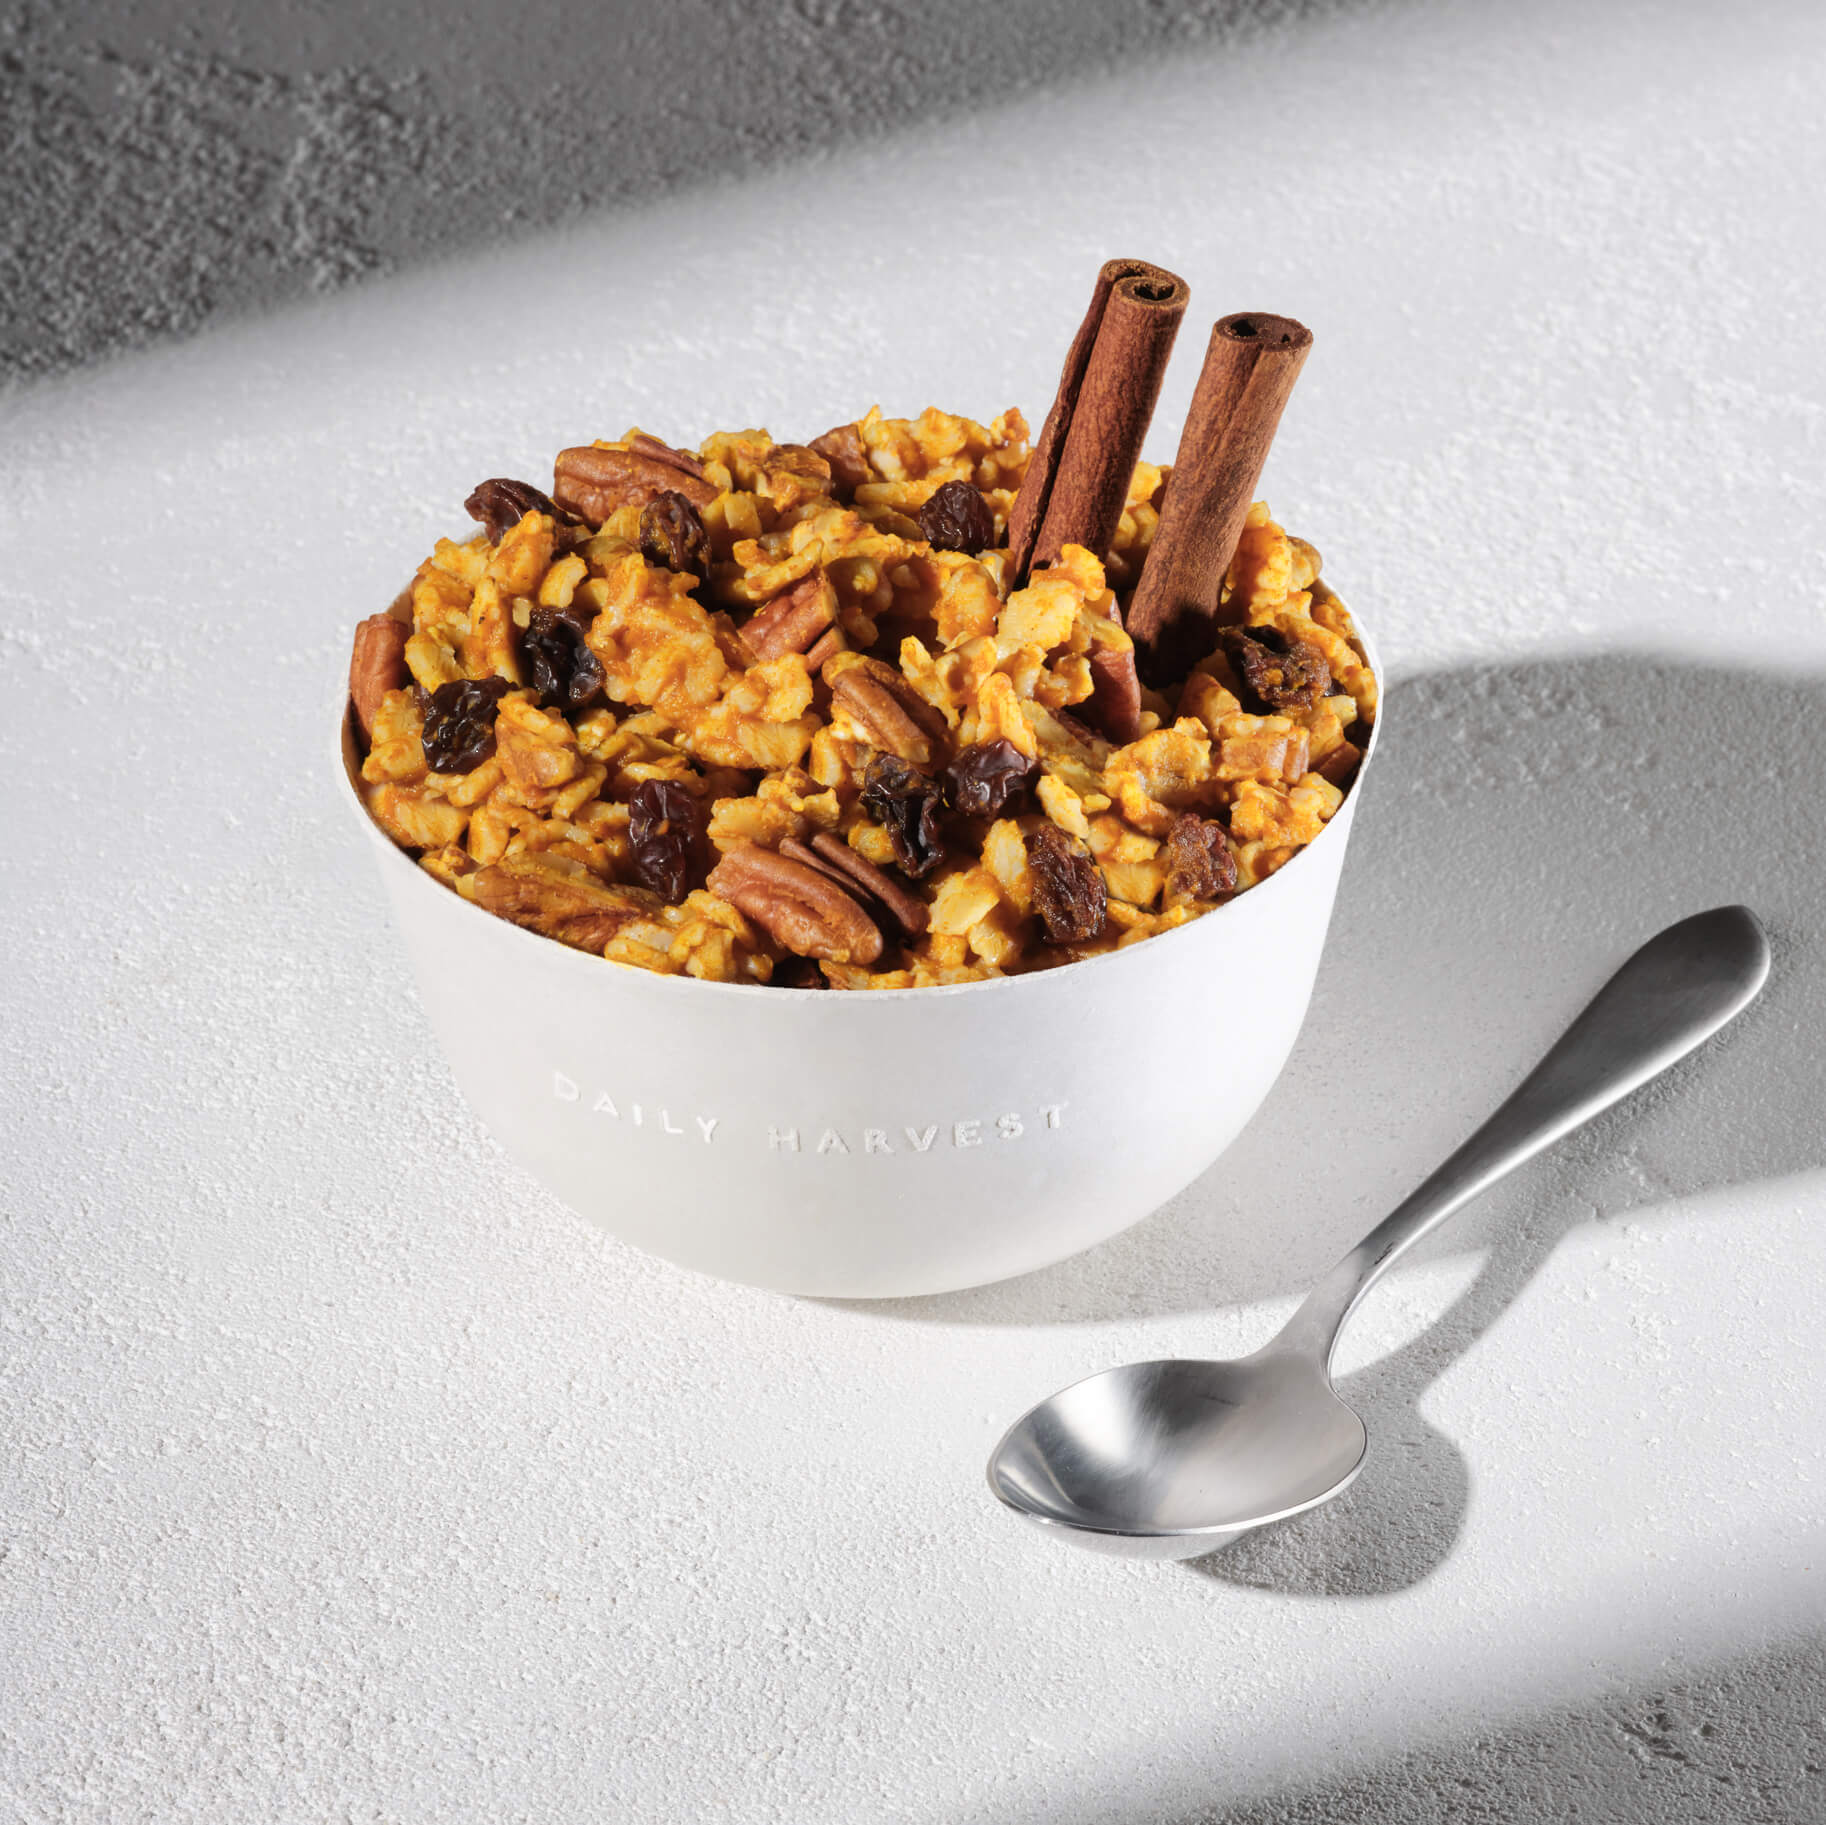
[(349, 1477)]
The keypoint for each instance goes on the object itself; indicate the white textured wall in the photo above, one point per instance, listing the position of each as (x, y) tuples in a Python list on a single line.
[(172, 165), (347, 1476)]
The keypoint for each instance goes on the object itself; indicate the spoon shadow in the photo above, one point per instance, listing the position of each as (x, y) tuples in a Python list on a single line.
[(1399, 1521)]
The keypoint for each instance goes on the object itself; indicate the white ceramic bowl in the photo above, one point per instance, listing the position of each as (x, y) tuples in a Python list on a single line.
[(870, 1145)]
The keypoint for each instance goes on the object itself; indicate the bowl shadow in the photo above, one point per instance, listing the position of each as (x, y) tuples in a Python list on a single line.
[(1528, 826)]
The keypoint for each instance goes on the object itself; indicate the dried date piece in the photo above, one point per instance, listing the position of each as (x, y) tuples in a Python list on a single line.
[(1283, 674), (666, 832), (957, 518), (563, 669), (672, 536), (905, 802), (1201, 865), (1068, 890), (460, 723), (501, 503), (986, 778)]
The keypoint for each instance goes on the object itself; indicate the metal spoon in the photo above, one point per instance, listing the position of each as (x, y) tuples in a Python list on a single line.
[(1168, 1460)]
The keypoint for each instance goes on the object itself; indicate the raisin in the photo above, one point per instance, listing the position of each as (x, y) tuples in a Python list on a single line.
[(798, 973), (664, 830), (460, 723), (957, 518), (563, 670), (672, 535), (986, 777), (1201, 865), (1283, 674), (502, 503), (1068, 890), (905, 803)]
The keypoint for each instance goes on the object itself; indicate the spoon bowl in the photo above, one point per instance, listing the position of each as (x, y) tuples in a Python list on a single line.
[(1172, 1459)]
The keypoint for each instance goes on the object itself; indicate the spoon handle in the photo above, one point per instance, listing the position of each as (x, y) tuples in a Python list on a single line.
[(1675, 992)]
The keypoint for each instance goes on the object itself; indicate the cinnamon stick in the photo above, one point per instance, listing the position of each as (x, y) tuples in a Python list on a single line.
[(1078, 476), (1249, 371)]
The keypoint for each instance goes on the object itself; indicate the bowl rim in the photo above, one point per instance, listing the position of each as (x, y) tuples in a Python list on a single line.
[(344, 750)]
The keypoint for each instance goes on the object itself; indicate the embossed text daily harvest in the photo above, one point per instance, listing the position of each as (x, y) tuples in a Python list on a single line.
[(811, 1138)]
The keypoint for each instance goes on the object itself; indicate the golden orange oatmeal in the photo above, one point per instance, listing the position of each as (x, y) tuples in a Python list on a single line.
[(783, 713)]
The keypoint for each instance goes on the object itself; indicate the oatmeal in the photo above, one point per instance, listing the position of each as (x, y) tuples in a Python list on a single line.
[(788, 713)]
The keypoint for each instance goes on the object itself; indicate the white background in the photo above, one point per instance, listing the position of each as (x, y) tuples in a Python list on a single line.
[(346, 1475)]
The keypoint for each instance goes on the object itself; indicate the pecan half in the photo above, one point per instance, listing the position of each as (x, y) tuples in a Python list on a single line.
[(1115, 702), (578, 913), (841, 447), (1084, 735), (828, 646), (799, 907), (793, 622), (377, 665), (799, 459), (593, 482), (831, 855), (1341, 764), (887, 711), (643, 445)]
